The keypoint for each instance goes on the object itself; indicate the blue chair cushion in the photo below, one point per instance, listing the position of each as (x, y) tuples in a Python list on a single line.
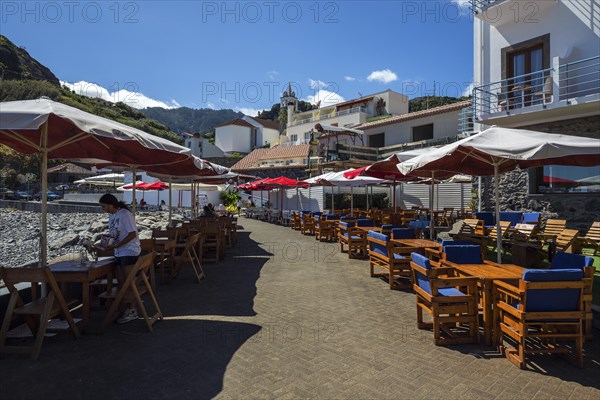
[(452, 242), (514, 217), (450, 291), (539, 300), (486, 216), (376, 247), (419, 224), (399, 256), (403, 233), (387, 227), (531, 218), (562, 260), (463, 254), (365, 222), (422, 262), (332, 217), (346, 224)]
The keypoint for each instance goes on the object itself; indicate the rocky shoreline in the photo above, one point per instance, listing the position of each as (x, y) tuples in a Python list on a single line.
[(20, 230)]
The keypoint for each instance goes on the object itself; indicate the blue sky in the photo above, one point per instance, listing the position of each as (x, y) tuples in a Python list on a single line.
[(241, 55)]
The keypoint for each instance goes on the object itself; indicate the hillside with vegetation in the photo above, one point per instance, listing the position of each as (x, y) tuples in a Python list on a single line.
[(190, 120), (425, 103)]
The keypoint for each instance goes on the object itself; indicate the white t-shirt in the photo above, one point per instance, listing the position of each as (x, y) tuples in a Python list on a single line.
[(120, 224)]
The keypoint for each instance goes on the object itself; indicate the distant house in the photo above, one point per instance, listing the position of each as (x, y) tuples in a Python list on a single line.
[(275, 157), (242, 135), (67, 173), (201, 146)]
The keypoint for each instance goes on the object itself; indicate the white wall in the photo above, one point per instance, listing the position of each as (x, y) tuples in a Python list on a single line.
[(269, 135), (573, 26), (444, 125), (232, 138)]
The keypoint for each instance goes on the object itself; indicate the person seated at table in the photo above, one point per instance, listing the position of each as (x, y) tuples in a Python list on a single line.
[(143, 204), (162, 206), (125, 242), (207, 212)]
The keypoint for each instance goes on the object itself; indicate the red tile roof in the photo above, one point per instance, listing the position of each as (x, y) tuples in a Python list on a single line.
[(274, 153), (267, 123), (70, 169), (236, 121), (414, 115)]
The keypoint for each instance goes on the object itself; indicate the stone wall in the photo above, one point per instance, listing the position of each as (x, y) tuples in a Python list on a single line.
[(53, 207), (579, 209)]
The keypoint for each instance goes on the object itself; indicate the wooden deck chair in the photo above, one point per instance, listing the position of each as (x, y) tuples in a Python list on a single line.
[(471, 229), (592, 238), (539, 315), (566, 239), (524, 232), (552, 229), (211, 248), (446, 219), (44, 308), (492, 237), (451, 302), (190, 255), (135, 286)]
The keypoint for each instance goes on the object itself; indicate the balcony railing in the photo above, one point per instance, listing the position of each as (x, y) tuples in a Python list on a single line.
[(295, 143), (465, 120), (478, 6), (330, 115), (554, 87)]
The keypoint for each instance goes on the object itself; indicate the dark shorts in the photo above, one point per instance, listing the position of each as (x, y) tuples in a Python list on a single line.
[(126, 260)]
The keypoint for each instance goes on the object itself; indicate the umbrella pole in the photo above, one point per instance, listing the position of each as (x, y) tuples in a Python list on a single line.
[(498, 228), (170, 194), (352, 200), (394, 195), (44, 235), (134, 202), (432, 218), (367, 196)]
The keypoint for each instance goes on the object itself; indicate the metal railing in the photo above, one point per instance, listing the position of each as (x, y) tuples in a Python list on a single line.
[(478, 6), (465, 120), (330, 115), (295, 143), (539, 89)]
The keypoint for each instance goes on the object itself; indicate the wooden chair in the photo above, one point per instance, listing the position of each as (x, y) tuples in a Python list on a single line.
[(211, 248), (437, 254), (295, 222), (471, 228), (393, 259), (562, 260), (524, 232), (566, 239), (540, 314), (354, 238), (190, 255), (136, 285), (592, 238), (324, 229), (43, 309), (452, 302), (552, 229), (492, 236), (446, 219), (307, 226)]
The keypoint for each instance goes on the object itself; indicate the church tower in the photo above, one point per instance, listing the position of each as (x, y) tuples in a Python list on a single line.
[(289, 100)]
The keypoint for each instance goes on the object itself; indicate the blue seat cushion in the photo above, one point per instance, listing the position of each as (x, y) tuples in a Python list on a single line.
[(403, 233), (399, 256), (452, 242), (346, 224), (332, 217), (562, 260), (463, 254), (365, 222), (376, 247), (532, 217), (450, 291), (514, 217), (486, 216), (540, 300)]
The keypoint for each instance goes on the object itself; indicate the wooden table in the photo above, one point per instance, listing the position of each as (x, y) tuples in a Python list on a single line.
[(420, 243), (487, 273), (527, 254), (369, 228), (75, 272)]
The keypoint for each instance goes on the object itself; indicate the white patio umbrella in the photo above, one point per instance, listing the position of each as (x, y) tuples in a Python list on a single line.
[(498, 150), (103, 180), (55, 130)]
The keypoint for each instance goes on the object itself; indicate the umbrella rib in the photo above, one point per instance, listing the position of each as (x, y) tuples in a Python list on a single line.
[(27, 142), (73, 139)]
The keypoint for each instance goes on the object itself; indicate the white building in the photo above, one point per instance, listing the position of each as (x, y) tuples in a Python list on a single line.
[(537, 66), (242, 135), (346, 114), (200, 146)]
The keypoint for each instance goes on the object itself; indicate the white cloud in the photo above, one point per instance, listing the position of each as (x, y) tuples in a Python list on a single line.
[(272, 75), (349, 78), (326, 97), (468, 90), (317, 84), (383, 76), (211, 106), (462, 3), (252, 112), (132, 99)]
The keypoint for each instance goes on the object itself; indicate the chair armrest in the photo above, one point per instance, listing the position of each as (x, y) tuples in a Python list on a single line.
[(508, 289)]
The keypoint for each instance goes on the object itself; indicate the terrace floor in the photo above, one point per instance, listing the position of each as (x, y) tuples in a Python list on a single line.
[(284, 316)]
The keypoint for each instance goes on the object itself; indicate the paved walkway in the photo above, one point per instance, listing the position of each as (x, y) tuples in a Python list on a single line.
[(284, 316)]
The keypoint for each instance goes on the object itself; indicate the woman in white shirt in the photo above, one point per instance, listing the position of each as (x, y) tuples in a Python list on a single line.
[(124, 240)]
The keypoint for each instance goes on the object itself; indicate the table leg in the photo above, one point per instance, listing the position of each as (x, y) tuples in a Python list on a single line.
[(86, 305)]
